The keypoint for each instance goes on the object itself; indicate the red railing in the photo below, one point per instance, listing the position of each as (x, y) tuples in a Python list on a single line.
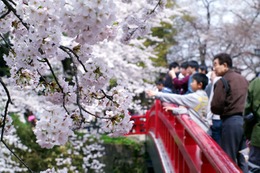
[(189, 148), (139, 126)]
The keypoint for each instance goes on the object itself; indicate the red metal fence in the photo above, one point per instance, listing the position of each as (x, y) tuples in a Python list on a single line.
[(189, 148), (139, 126)]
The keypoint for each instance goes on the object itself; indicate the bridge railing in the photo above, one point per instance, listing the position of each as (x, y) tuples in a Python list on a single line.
[(189, 148), (139, 126)]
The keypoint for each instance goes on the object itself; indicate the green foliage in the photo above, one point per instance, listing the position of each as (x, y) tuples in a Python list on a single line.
[(112, 83), (170, 4), (188, 18), (4, 50), (39, 159), (141, 64), (122, 141), (124, 155), (165, 32)]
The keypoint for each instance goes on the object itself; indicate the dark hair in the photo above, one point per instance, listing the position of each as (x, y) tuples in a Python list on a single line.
[(201, 78), (224, 58), (173, 65), (159, 82), (184, 65), (203, 68), (193, 64)]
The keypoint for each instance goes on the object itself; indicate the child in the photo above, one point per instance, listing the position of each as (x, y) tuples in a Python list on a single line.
[(160, 86), (195, 103)]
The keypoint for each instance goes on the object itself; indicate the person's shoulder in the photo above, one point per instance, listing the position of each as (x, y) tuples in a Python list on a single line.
[(200, 92), (255, 82), (232, 75), (231, 72), (217, 82), (216, 79)]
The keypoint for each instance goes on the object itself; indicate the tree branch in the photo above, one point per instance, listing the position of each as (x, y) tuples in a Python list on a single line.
[(57, 81), (156, 6), (70, 52), (5, 14), (66, 49), (7, 43), (10, 7), (3, 126)]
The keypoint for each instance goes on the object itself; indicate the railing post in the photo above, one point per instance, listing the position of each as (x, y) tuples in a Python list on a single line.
[(147, 127), (157, 106), (206, 166)]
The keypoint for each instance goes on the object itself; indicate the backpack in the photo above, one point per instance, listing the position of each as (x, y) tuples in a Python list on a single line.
[(226, 85)]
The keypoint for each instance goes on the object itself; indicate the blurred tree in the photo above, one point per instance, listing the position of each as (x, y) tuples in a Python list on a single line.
[(165, 32)]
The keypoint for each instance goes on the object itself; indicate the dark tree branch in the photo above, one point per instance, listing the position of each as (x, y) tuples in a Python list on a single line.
[(156, 6), (67, 50), (10, 7), (70, 52), (107, 96), (131, 33), (57, 81), (5, 14), (6, 106), (3, 126), (12, 2), (6, 42)]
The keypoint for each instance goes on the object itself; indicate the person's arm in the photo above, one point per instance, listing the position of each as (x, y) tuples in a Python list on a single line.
[(189, 100), (218, 100), (176, 110), (248, 109), (178, 83)]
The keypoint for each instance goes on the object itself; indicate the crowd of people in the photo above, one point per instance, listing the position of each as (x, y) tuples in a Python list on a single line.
[(223, 99)]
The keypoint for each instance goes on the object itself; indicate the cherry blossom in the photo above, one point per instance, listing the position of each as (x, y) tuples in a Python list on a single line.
[(42, 35)]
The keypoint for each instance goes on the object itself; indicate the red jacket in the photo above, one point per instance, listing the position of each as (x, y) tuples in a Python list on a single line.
[(181, 84)]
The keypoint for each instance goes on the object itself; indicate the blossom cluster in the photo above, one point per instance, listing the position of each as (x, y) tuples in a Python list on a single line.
[(53, 128), (89, 149), (135, 25), (39, 38), (43, 35)]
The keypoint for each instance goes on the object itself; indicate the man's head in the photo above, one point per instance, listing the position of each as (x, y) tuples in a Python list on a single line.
[(175, 66), (199, 81), (203, 69), (222, 63), (183, 68), (193, 66)]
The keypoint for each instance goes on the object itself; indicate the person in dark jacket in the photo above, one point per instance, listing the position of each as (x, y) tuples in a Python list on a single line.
[(168, 84), (230, 104), (181, 85)]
